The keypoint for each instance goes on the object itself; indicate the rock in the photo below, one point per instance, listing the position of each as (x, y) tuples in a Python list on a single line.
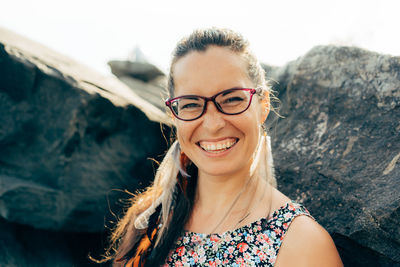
[(70, 140), (136, 67), (144, 78), (25, 246), (139, 70), (152, 93), (337, 149), (137, 55)]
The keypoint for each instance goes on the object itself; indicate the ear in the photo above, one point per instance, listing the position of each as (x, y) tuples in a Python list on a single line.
[(265, 105)]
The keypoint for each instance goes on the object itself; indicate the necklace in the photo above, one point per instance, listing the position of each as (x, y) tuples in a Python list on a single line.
[(218, 241), (247, 209), (231, 207), (211, 235)]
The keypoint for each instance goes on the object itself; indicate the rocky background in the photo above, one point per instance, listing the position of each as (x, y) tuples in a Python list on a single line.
[(72, 141)]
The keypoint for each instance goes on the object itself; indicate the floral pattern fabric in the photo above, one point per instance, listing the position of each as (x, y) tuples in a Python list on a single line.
[(255, 244)]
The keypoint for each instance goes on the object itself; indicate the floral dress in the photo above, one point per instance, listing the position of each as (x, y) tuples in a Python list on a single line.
[(255, 244)]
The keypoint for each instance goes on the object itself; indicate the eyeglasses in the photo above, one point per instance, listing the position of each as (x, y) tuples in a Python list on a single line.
[(230, 102)]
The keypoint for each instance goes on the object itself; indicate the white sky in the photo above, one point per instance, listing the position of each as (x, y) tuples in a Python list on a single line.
[(94, 32)]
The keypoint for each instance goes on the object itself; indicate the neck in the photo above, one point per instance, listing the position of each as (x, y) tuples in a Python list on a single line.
[(215, 193), (224, 202)]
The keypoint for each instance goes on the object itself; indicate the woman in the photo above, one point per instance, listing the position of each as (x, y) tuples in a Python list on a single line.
[(214, 200)]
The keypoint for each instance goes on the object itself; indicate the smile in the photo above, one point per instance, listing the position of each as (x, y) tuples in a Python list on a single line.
[(219, 146)]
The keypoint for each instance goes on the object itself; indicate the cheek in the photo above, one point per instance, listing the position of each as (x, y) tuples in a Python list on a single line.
[(184, 135), (184, 131)]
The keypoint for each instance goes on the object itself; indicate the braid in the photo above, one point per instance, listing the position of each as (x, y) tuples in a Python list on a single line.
[(181, 208), (178, 219)]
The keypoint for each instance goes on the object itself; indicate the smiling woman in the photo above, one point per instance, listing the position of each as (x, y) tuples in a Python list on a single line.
[(214, 199), (212, 72)]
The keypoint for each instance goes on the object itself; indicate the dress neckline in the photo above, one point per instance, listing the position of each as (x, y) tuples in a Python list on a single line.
[(249, 225)]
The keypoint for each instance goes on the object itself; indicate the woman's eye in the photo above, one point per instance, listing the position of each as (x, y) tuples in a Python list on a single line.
[(232, 100), (189, 106)]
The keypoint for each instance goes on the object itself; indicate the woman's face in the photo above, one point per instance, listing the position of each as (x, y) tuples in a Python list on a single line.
[(206, 73)]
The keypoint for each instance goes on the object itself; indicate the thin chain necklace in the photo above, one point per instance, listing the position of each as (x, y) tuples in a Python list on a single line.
[(218, 242), (231, 207), (247, 210)]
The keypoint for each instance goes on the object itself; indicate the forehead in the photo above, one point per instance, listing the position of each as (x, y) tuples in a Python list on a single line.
[(209, 72)]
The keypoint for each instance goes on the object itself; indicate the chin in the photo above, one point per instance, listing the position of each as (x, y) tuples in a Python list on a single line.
[(219, 169)]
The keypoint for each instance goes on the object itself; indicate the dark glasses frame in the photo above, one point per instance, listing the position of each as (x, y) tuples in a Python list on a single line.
[(252, 91)]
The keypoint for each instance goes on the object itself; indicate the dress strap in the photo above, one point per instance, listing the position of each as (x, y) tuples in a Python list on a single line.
[(281, 221)]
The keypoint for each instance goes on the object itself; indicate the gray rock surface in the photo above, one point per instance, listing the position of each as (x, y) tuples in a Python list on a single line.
[(139, 70), (69, 139), (71, 142), (338, 148), (152, 93), (145, 79)]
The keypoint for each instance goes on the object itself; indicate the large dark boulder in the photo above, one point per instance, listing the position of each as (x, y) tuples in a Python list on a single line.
[(22, 245), (71, 141), (337, 149)]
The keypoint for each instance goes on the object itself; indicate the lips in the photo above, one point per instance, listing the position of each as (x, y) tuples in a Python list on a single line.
[(218, 146)]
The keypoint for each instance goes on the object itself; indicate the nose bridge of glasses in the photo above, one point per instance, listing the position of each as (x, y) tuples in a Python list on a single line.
[(212, 100), (213, 119)]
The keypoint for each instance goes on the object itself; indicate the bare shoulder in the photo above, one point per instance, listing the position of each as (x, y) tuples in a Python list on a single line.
[(307, 243)]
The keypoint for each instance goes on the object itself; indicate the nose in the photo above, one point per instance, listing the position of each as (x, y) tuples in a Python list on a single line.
[(213, 119)]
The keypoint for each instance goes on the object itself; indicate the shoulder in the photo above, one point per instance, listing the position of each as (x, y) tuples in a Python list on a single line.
[(307, 244)]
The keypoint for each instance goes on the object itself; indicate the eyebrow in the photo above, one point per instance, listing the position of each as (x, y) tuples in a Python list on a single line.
[(228, 90), (191, 97), (194, 97)]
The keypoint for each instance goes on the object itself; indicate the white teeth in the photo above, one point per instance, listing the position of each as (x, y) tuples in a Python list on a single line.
[(218, 147)]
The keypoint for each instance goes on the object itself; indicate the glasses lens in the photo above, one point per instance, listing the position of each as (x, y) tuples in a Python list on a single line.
[(233, 101), (187, 108)]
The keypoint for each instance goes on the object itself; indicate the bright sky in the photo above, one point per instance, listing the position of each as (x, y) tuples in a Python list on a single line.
[(94, 32)]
